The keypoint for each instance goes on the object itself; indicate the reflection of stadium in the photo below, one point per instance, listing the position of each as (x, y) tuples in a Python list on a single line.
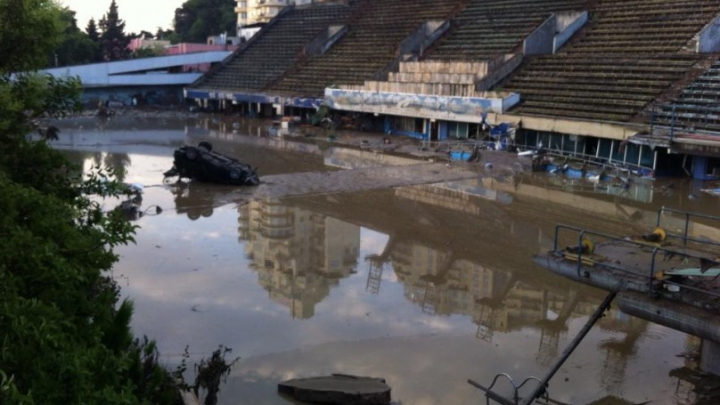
[(298, 254)]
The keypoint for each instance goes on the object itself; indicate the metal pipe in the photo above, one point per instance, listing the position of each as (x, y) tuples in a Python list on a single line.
[(652, 271), (491, 394), (571, 348), (655, 159), (693, 214), (580, 250)]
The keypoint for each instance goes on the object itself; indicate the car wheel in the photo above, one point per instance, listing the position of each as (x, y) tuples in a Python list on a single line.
[(205, 145), (191, 153), (235, 174)]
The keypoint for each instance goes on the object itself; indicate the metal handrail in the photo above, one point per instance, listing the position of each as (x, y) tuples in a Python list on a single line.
[(583, 232), (687, 215), (540, 382)]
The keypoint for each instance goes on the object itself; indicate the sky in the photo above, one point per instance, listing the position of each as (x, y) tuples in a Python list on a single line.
[(138, 14)]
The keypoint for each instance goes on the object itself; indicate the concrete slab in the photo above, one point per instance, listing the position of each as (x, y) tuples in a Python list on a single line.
[(296, 184), (338, 389)]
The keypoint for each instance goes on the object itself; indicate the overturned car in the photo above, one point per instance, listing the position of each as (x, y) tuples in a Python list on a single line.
[(202, 164)]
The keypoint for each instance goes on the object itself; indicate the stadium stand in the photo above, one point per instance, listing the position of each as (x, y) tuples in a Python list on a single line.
[(370, 46), (487, 28), (274, 50), (697, 107), (631, 52)]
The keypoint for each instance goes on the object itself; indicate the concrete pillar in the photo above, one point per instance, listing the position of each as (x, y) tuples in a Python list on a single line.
[(710, 357), (700, 167)]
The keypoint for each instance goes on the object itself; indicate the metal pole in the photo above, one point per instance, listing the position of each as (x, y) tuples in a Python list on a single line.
[(540, 389), (652, 121), (672, 123), (655, 159)]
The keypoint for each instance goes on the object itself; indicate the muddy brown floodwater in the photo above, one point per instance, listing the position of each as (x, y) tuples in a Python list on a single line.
[(425, 285)]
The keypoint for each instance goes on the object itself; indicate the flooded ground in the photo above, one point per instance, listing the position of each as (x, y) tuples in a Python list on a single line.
[(424, 285)]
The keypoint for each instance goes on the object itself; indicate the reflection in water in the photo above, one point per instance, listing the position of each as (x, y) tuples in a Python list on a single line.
[(465, 270), (297, 254), (196, 199), (118, 162), (450, 290)]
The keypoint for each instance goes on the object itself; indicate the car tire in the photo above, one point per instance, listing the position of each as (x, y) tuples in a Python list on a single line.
[(205, 145), (235, 174), (191, 153)]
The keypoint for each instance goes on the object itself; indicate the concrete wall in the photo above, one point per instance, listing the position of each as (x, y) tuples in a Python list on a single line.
[(460, 109), (455, 78), (567, 126), (540, 42), (423, 37), (510, 101), (325, 40), (473, 68), (567, 25), (437, 89), (709, 37), (414, 45), (499, 73)]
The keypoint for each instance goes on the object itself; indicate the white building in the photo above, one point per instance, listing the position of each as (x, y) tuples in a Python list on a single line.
[(251, 12)]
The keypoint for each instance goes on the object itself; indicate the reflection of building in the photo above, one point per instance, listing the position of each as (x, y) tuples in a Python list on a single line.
[(298, 254), (497, 302)]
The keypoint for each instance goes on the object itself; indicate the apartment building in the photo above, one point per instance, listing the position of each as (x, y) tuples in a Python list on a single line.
[(252, 12)]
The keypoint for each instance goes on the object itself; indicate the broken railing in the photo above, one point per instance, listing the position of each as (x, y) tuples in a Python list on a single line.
[(582, 233), (687, 215), (541, 389)]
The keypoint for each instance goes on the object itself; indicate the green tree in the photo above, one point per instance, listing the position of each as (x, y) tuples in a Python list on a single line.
[(65, 336), (75, 46), (14, 35), (92, 31), (198, 19), (162, 34), (113, 40)]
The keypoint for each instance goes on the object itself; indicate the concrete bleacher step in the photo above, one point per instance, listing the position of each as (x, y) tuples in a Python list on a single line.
[(274, 51), (375, 34)]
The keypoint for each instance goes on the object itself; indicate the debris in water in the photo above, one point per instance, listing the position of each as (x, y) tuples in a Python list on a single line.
[(202, 164), (338, 389)]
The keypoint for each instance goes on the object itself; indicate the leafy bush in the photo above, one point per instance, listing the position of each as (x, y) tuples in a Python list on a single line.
[(65, 337)]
